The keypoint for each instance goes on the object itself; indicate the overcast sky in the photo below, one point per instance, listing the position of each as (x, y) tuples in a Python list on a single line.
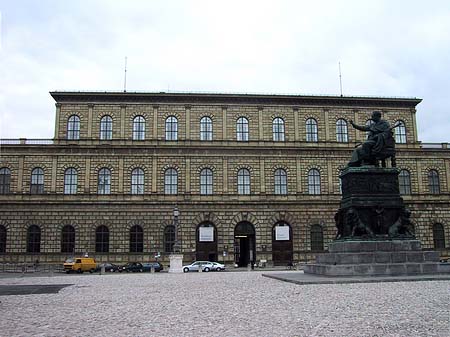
[(386, 48)]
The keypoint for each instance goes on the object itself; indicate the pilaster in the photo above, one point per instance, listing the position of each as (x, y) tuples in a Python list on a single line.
[(57, 119), (90, 116), (54, 174)]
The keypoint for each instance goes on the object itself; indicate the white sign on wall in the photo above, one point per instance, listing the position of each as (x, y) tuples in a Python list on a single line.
[(206, 234), (282, 233)]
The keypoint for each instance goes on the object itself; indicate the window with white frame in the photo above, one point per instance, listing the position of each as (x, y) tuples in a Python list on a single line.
[(138, 128), (206, 128), (278, 129), (73, 128), (171, 128), (280, 178), (242, 129), (104, 181), (341, 131), (400, 133), (206, 181), (137, 181), (106, 128), (311, 130), (171, 181), (314, 181), (70, 181), (243, 182)]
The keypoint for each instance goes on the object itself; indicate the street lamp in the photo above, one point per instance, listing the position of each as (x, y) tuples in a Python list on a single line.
[(176, 248)]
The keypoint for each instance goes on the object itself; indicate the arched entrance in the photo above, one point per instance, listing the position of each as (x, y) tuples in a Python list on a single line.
[(244, 244), (206, 242), (282, 244)]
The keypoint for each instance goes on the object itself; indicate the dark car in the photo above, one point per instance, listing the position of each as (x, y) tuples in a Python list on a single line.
[(109, 267), (155, 265), (140, 267), (131, 267)]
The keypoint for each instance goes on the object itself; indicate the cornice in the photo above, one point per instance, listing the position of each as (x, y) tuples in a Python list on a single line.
[(221, 99)]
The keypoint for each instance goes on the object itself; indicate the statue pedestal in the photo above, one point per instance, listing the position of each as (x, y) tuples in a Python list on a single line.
[(375, 258), (176, 263), (371, 201)]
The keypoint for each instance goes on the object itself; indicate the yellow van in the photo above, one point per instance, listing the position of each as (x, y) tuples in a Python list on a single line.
[(80, 264)]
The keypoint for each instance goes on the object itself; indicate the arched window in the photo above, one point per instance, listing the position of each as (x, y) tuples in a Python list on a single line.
[(280, 178), (169, 238), (242, 129), (171, 128), (206, 181), (137, 181), (73, 128), (404, 182), (104, 181), (34, 239), (37, 181), (400, 133), (243, 181), (316, 238), (102, 239), (206, 128), (311, 130), (314, 181), (68, 239), (278, 129), (2, 239), (171, 181), (136, 239), (106, 128), (70, 181), (433, 182), (438, 236), (341, 131), (138, 128), (5, 180)]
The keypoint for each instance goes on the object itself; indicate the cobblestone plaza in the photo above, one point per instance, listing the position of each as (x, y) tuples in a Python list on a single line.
[(224, 304)]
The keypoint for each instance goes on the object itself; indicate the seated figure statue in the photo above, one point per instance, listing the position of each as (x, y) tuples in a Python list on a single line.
[(379, 145)]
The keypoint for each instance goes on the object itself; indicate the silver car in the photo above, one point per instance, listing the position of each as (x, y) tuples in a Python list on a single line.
[(217, 266), (195, 266)]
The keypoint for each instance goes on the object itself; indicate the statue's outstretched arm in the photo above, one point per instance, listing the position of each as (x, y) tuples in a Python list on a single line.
[(359, 127)]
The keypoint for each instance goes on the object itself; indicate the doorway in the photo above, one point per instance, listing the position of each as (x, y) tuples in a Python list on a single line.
[(282, 248), (244, 244), (206, 242)]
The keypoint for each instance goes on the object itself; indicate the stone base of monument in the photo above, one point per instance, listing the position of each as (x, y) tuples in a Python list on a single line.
[(176, 263), (376, 258)]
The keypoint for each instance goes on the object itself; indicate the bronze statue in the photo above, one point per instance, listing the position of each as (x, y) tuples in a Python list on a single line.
[(379, 145)]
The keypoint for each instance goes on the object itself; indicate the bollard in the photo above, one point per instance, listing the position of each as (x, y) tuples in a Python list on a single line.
[(152, 269), (200, 269), (249, 267), (102, 270)]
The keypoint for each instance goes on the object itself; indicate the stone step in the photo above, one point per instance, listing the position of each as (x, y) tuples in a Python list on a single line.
[(390, 269), (374, 246), (378, 257)]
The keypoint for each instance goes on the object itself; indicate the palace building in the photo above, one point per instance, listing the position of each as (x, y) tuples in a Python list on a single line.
[(233, 177)]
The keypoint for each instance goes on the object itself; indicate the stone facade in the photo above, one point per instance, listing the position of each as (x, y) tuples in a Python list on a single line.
[(224, 155)]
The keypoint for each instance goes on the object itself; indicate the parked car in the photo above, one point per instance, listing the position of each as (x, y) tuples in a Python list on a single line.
[(140, 267), (194, 266), (155, 265), (217, 266), (131, 267), (109, 267), (79, 265)]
